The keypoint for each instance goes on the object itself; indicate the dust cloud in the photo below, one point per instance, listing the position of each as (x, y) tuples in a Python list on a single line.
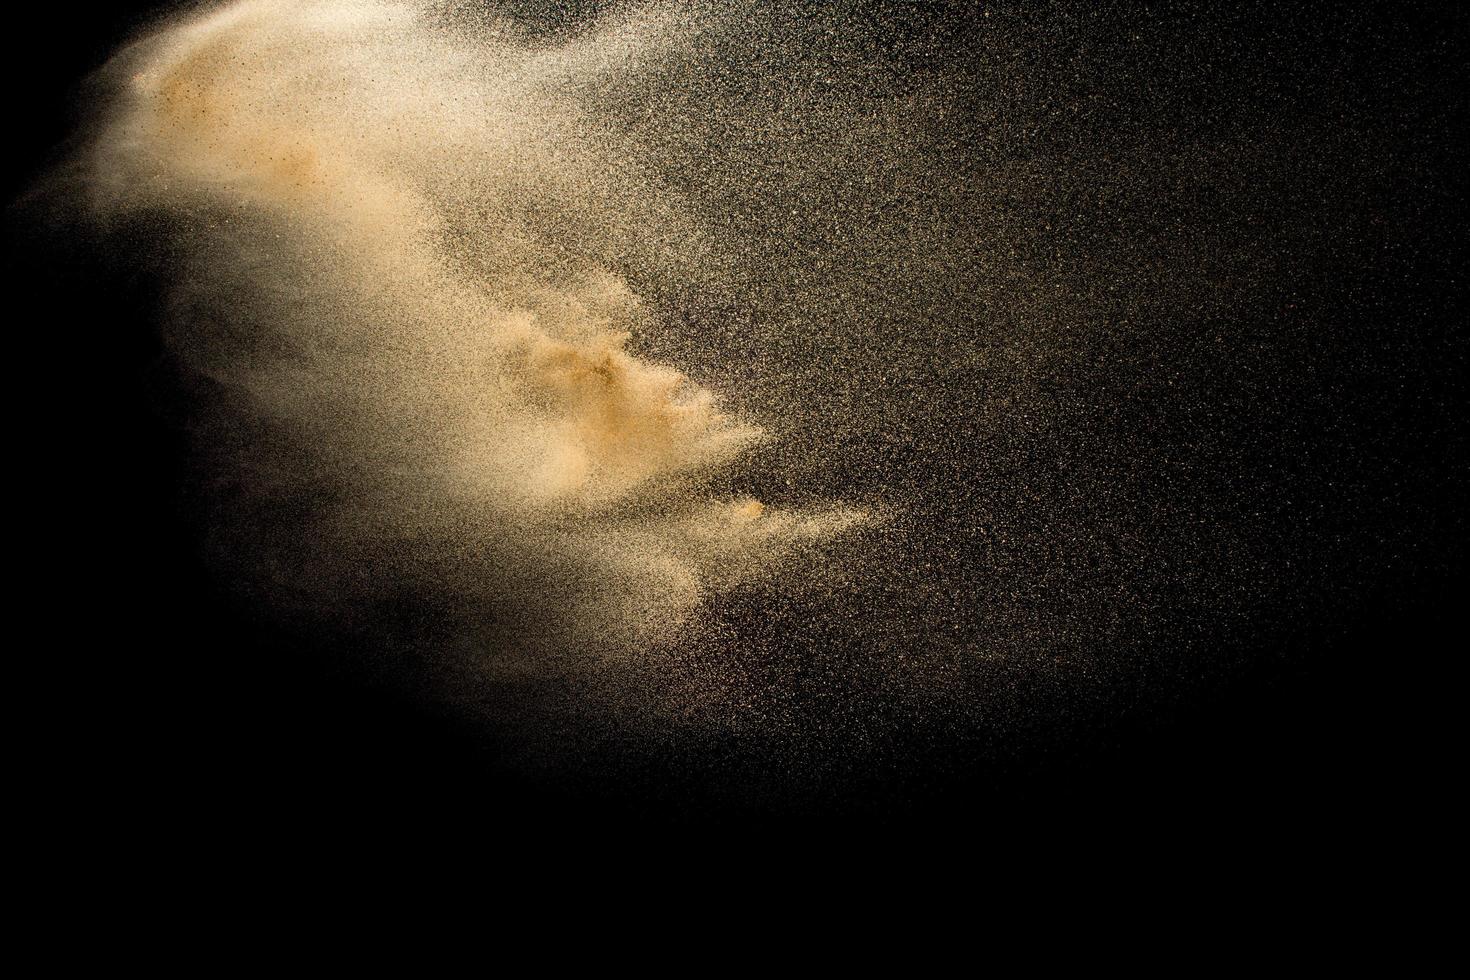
[(793, 390), (394, 232)]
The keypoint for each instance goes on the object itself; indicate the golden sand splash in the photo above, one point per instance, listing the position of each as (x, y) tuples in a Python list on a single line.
[(403, 215)]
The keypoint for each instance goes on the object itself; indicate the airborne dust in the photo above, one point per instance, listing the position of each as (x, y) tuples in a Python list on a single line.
[(821, 379)]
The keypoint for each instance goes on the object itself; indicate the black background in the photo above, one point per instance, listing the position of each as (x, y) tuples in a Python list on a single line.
[(161, 698)]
